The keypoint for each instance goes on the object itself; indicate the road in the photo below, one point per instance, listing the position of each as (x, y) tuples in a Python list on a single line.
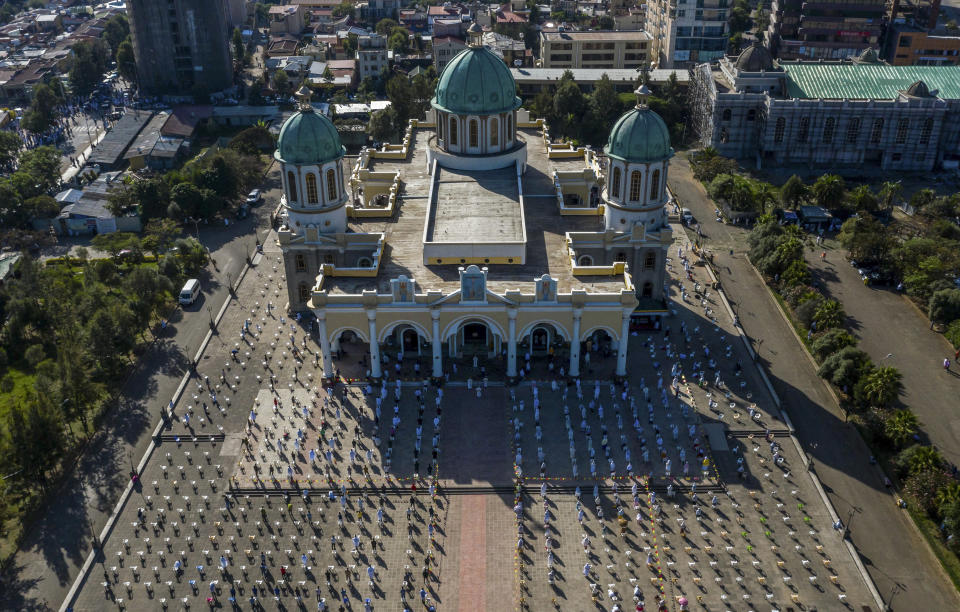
[(59, 540), (901, 564)]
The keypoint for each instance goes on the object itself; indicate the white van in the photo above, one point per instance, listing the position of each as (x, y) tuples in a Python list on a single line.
[(190, 292)]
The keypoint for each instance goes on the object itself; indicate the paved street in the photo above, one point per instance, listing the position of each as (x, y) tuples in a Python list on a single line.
[(905, 571), (41, 573)]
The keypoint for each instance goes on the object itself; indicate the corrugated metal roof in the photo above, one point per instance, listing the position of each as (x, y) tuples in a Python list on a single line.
[(867, 81)]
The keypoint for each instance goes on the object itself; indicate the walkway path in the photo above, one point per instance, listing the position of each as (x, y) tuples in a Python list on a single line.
[(901, 564)]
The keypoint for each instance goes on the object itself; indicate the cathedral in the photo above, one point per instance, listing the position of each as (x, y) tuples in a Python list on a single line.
[(478, 235)]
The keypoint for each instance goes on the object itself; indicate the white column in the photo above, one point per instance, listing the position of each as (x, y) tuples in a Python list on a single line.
[(624, 339), (512, 343), (437, 345), (575, 344), (325, 345), (374, 346)]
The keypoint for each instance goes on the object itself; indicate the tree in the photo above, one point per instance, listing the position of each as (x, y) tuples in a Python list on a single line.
[(924, 459), (793, 192), (385, 27), (343, 9), (252, 141), (42, 206), (900, 427), (952, 334), (400, 94), (239, 48), (115, 31), (160, 235), (127, 61), (867, 240), (844, 368), (604, 104), (569, 104), (12, 212), (399, 40), (10, 144), (830, 342), (829, 314), (606, 23), (862, 198), (707, 164), (89, 63), (383, 124), (828, 191), (34, 355), (944, 306), (281, 82), (42, 113), (889, 194), (882, 386)]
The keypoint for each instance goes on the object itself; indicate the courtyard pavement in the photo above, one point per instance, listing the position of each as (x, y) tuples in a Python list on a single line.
[(469, 496)]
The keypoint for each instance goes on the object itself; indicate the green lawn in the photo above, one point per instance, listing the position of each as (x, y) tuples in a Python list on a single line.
[(23, 382)]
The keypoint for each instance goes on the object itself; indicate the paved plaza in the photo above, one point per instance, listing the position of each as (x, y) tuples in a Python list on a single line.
[(680, 489)]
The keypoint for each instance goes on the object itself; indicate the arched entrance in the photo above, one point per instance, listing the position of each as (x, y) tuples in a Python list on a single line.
[(600, 343), (475, 338), (410, 340), (539, 340), (473, 335)]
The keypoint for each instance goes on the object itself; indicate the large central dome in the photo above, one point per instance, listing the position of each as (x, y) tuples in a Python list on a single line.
[(640, 135), (308, 137), (476, 82)]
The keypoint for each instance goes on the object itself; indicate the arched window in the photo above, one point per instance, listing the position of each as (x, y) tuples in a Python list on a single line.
[(331, 185), (647, 290), (509, 127), (292, 185), (440, 123), (926, 131), (453, 130), (751, 114), (804, 129), (635, 180), (779, 130), (328, 258), (902, 126), (853, 130), (494, 132), (655, 185), (649, 260), (727, 114), (828, 128), (616, 183), (474, 133), (300, 262), (585, 260), (621, 257), (311, 180), (304, 291), (877, 132)]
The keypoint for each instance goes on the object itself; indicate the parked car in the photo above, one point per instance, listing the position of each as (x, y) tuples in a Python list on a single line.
[(254, 197)]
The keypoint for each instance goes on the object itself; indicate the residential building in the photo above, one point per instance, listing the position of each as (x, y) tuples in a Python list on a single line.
[(413, 19), (235, 12), (633, 18), (453, 26), (372, 58), (531, 81), (849, 113), (180, 46), (513, 52), (445, 49), (287, 19), (824, 29), (375, 10), (686, 32), (595, 49)]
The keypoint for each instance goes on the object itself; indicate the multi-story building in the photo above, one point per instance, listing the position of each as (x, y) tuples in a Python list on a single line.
[(374, 10), (287, 19), (445, 48), (372, 56), (594, 49), (180, 46), (686, 32), (824, 29), (851, 113), (909, 45)]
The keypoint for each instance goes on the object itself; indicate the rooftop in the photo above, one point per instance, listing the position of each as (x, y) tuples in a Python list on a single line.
[(546, 249), (111, 149), (839, 80), (476, 207), (598, 35), (589, 75)]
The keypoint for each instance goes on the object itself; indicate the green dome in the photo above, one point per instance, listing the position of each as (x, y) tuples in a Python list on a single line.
[(476, 82), (308, 137), (639, 136)]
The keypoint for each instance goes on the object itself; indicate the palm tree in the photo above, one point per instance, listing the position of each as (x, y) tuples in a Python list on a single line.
[(901, 426), (829, 314), (828, 191), (882, 386), (889, 193), (925, 459), (949, 494)]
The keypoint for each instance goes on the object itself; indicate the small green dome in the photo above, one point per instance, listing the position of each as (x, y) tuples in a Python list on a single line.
[(308, 137), (639, 136), (476, 82)]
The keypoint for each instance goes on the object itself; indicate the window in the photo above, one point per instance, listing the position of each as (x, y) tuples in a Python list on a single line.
[(828, 130), (853, 130), (585, 260), (440, 127), (897, 156), (877, 131), (300, 262), (779, 129), (328, 258), (727, 114), (926, 131), (616, 183), (655, 185), (724, 136), (494, 132), (304, 291), (635, 180), (647, 290), (509, 128), (751, 115), (474, 133), (649, 260), (622, 257), (453, 130), (292, 185), (804, 129), (311, 180), (902, 126), (331, 185)]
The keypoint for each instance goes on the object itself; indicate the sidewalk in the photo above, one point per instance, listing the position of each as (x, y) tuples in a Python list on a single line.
[(899, 561)]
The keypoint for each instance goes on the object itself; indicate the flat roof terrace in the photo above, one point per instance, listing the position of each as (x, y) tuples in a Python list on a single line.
[(478, 206)]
